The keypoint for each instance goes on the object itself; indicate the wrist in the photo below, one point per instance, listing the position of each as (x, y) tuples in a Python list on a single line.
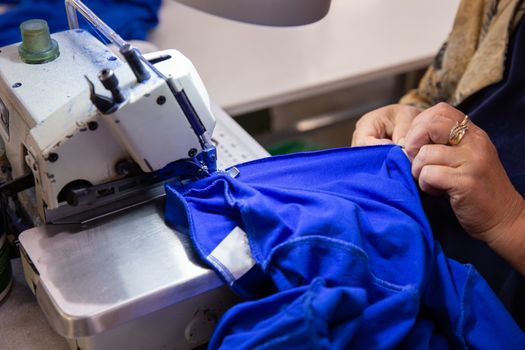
[(511, 215), (508, 237)]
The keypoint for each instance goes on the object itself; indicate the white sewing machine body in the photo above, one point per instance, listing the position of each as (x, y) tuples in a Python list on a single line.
[(53, 130), (127, 280)]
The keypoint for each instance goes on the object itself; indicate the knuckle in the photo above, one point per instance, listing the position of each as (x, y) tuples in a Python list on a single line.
[(443, 106), (417, 167), (424, 154), (425, 174), (423, 179), (483, 142), (366, 120), (356, 140), (430, 119), (436, 135), (441, 109), (482, 138)]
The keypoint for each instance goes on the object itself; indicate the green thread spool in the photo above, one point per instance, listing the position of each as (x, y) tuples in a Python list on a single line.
[(37, 46)]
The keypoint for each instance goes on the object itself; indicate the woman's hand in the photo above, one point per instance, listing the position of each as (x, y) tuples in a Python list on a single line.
[(471, 174), (384, 125)]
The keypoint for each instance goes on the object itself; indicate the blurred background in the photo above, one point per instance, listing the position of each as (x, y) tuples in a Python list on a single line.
[(302, 88)]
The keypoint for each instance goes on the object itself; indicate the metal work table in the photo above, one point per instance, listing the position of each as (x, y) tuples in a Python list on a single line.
[(22, 323)]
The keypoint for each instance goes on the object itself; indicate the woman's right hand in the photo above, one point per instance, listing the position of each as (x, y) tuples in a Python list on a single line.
[(384, 125)]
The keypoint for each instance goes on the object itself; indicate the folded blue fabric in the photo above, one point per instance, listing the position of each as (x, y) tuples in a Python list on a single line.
[(131, 19), (339, 243)]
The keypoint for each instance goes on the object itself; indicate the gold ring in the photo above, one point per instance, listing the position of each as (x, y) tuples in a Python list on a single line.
[(457, 132)]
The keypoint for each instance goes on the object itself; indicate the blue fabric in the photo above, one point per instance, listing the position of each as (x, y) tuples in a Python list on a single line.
[(500, 110), (131, 19), (341, 240)]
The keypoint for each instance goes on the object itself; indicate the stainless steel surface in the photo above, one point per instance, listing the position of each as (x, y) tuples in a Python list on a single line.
[(96, 277)]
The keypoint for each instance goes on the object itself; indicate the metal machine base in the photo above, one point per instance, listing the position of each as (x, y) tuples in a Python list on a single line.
[(128, 281)]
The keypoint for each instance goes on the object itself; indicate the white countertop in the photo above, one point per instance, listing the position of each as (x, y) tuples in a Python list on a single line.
[(246, 67)]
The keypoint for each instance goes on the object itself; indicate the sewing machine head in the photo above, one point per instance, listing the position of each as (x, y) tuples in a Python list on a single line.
[(98, 132)]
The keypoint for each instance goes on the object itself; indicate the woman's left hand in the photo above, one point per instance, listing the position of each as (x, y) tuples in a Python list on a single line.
[(470, 173)]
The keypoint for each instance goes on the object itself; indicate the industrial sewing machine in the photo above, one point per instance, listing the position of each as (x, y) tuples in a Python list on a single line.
[(90, 137)]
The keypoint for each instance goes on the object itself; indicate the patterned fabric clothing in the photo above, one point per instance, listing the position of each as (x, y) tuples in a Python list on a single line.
[(473, 57)]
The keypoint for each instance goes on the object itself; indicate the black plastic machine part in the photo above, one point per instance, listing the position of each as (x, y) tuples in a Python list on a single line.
[(108, 78), (133, 58), (103, 103), (11, 221)]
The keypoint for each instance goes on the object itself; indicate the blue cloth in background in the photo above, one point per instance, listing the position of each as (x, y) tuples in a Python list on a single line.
[(340, 239), (131, 19)]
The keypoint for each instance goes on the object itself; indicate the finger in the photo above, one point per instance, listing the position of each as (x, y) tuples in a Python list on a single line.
[(384, 125), (428, 129), (372, 131), (437, 179), (367, 138), (403, 124), (435, 154), (432, 126), (372, 141)]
